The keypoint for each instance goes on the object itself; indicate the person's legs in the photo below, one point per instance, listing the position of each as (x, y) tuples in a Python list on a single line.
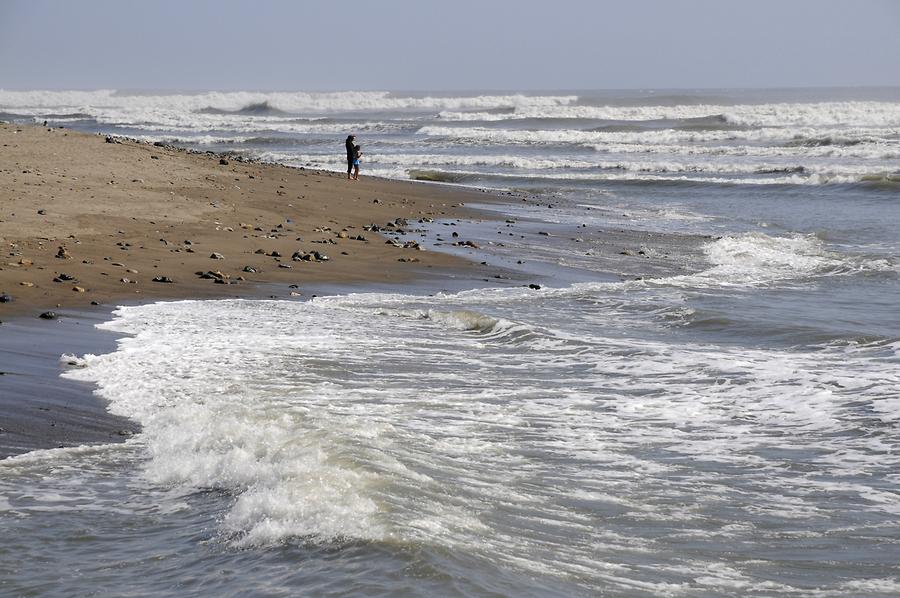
[(356, 172), (349, 168)]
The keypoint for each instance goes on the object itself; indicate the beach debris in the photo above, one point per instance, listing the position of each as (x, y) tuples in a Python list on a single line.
[(63, 277), (626, 252), (393, 242), (216, 256), (4, 298), (26, 284), (412, 245), (165, 279), (285, 266), (408, 259), (42, 212), (63, 254), (48, 315), (95, 303), (250, 269), (78, 289), (111, 139), (273, 254), (25, 262), (534, 287), (343, 234), (125, 433), (223, 161)]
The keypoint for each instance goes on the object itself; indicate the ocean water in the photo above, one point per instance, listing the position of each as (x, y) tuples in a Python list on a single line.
[(702, 399)]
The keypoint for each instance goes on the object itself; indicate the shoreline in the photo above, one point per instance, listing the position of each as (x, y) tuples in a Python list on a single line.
[(262, 221), (87, 225)]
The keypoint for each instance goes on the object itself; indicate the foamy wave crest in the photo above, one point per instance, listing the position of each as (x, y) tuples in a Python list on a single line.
[(667, 136), (864, 150), (275, 102), (860, 114), (753, 259)]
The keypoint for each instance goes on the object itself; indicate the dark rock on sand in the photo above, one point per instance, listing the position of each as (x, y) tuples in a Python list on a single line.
[(48, 315), (162, 279), (223, 161), (4, 298), (216, 256)]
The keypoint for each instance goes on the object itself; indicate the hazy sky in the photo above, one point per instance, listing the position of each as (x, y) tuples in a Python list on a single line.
[(447, 44)]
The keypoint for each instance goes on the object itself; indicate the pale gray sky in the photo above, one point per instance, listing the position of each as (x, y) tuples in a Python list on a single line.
[(447, 45)]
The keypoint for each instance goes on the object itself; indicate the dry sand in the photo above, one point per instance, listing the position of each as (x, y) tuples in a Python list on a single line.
[(83, 220)]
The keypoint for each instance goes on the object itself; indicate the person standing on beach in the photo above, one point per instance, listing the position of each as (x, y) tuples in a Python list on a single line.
[(351, 155), (357, 152)]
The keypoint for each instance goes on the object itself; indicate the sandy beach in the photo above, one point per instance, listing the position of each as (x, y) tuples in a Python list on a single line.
[(88, 224), (86, 221)]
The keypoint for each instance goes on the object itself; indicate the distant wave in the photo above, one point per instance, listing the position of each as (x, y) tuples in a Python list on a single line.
[(863, 114), (254, 109), (288, 102), (571, 136)]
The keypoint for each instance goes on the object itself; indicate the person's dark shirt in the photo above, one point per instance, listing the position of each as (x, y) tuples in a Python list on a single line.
[(351, 153)]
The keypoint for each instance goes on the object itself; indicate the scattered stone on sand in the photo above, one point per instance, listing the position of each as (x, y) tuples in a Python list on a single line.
[(408, 259), (212, 275), (285, 266), (25, 262), (216, 256), (535, 287), (223, 161), (250, 269), (626, 252), (63, 254), (165, 279), (78, 289), (63, 277), (26, 284), (4, 298), (48, 315), (469, 244)]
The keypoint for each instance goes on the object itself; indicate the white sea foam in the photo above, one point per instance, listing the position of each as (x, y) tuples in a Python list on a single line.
[(817, 114), (290, 102), (666, 136)]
